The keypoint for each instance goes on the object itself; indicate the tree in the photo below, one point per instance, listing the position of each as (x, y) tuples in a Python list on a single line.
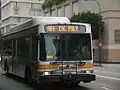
[(91, 18), (49, 3)]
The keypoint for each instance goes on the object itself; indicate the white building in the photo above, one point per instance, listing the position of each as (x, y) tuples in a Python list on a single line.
[(17, 11), (110, 10)]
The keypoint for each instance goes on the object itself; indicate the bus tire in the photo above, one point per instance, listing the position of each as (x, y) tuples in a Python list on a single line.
[(75, 83), (87, 81), (28, 75)]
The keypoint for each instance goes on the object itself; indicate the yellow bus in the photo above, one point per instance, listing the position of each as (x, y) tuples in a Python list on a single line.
[(49, 49)]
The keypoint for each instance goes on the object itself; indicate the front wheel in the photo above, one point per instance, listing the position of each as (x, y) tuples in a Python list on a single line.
[(75, 83)]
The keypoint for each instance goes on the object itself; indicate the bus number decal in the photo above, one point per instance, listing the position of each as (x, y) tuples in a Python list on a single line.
[(50, 28), (62, 28), (72, 28)]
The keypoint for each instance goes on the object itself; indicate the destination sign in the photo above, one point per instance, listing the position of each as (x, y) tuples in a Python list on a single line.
[(65, 28)]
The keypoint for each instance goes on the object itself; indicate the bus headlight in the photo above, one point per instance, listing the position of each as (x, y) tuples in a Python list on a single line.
[(90, 71), (46, 73), (87, 72)]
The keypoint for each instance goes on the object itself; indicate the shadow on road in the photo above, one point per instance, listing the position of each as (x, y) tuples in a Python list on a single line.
[(59, 86), (47, 86)]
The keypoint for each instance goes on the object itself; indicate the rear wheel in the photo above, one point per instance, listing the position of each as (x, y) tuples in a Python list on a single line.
[(87, 81)]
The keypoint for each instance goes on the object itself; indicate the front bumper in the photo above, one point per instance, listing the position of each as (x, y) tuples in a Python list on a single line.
[(70, 77)]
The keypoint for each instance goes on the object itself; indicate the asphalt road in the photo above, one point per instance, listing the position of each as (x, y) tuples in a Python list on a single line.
[(108, 78)]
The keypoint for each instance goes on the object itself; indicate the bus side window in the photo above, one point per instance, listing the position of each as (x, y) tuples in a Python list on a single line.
[(7, 51)]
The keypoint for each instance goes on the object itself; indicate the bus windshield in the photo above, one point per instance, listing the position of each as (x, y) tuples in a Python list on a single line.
[(65, 47)]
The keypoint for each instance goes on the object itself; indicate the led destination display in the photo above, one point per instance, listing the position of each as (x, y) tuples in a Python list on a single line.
[(65, 28)]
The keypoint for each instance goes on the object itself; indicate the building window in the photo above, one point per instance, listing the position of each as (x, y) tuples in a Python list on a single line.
[(16, 8), (7, 28), (18, 20), (75, 7), (67, 11), (35, 9), (12, 25), (117, 36), (2, 30), (60, 12), (6, 21)]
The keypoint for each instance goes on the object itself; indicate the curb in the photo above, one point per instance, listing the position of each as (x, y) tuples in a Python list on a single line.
[(98, 65), (107, 62)]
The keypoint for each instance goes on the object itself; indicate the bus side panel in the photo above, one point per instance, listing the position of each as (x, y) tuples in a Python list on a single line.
[(23, 54)]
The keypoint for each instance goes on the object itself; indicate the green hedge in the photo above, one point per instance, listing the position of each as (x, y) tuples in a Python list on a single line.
[(50, 3), (91, 18)]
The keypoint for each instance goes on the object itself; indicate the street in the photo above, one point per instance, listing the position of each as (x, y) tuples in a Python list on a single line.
[(108, 78)]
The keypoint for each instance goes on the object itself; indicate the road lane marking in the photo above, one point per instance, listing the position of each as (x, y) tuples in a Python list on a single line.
[(113, 78), (113, 73), (106, 88)]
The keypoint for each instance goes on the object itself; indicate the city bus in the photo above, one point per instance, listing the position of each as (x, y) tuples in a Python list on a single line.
[(49, 49)]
